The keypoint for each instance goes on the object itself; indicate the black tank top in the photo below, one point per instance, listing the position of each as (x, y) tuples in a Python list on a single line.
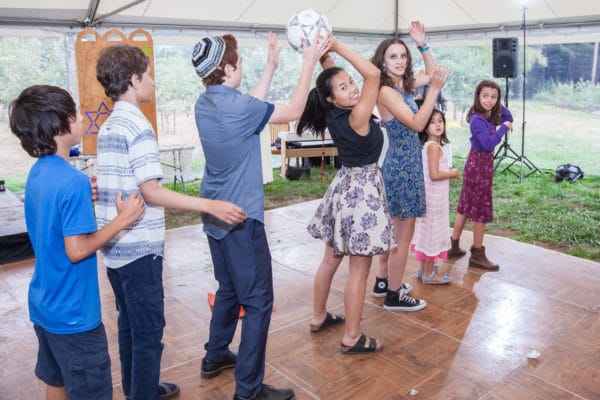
[(354, 150)]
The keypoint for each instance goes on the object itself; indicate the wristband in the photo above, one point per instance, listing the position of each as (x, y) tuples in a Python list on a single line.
[(423, 49)]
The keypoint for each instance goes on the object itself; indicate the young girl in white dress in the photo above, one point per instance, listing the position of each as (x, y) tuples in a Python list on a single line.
[(430, 241)]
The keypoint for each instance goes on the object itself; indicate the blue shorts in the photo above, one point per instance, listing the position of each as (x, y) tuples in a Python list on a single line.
[(79, 362)]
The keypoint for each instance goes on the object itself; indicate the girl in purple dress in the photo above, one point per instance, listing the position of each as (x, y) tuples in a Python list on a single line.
[(488, 121)]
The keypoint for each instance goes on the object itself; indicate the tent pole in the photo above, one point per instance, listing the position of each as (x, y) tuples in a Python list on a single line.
[(595, 63), (91, 12), (118, 10), (396, 8)]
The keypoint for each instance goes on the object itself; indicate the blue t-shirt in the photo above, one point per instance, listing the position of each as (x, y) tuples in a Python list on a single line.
[(63, 297), (229, 124)]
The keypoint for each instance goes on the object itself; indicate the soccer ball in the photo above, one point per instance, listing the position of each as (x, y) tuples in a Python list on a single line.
[(304, 24)]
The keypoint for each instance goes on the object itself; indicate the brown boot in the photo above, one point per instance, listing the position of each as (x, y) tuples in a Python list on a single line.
[(479, 260), (455, 251)]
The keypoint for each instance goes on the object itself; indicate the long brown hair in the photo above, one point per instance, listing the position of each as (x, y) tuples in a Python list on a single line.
[(408, 79), (477, 108)]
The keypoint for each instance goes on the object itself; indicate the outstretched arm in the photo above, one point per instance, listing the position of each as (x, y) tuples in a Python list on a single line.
[(224, 210), (262, 87), (310, 56), (416, 30)]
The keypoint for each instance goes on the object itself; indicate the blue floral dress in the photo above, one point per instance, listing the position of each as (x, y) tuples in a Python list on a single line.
[(403, 168)]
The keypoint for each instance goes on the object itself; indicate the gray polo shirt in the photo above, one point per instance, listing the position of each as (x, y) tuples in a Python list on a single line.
[(229, 124)]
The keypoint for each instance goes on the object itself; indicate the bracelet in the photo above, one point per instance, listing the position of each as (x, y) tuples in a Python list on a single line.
[(423, 49)]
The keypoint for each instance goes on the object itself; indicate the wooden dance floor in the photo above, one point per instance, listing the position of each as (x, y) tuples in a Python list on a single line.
[(471, 342)]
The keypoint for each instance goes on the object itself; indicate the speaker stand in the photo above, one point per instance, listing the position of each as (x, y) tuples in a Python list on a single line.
[(505, 151), (524, 161)]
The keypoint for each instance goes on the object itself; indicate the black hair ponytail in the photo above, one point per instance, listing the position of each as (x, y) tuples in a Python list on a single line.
[(313, 116)]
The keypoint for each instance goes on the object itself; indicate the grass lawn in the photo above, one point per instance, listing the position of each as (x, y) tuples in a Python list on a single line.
[(552, 136), (561, 216)]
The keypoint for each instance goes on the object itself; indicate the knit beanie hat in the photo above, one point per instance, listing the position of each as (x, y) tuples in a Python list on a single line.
[(207, 55)]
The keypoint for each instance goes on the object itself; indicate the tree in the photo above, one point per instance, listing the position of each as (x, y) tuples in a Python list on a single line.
[(26, 61), (468, 66), (176, 80)]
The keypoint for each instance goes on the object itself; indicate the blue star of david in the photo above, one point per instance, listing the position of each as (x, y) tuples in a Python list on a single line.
[(94, 116)]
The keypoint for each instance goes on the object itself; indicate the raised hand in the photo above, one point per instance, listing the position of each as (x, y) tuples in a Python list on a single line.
[(416, 30), (226, 211), (273, 50), (335, 43), (320, 46), (130, 209)]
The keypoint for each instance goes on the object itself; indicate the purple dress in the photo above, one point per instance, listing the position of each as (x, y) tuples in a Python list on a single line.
[(475, 200)]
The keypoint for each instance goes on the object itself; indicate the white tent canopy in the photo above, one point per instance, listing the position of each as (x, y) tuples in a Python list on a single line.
[(573, 20)]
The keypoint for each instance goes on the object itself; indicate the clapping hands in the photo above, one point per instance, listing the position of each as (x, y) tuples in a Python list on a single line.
[(439, 76)]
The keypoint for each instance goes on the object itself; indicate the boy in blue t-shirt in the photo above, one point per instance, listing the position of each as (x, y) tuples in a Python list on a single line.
[(64, 300)]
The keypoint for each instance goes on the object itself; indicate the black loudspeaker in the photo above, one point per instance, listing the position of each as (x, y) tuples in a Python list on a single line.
[(505, 57)]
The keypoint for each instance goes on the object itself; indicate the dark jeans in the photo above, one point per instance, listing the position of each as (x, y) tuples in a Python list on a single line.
[(78, 361), (139, 296), (242, 263)]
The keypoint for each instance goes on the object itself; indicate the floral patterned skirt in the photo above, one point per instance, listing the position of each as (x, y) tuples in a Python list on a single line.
[(353, 216)]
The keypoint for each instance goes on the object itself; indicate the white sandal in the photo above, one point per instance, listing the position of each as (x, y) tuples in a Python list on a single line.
[(431, 279), (436, 269)]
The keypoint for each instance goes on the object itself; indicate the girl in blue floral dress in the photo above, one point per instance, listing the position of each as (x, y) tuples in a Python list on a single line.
[(402, 166)]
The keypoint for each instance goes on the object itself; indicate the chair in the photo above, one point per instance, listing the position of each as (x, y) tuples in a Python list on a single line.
[(275, 130)]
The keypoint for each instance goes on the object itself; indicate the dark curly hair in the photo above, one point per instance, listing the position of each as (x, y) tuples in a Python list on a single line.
[(230, 57), (116, 65), (408, 79), (39, 114)]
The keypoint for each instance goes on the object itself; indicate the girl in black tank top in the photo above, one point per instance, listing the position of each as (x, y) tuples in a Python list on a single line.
[(352, 218)]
